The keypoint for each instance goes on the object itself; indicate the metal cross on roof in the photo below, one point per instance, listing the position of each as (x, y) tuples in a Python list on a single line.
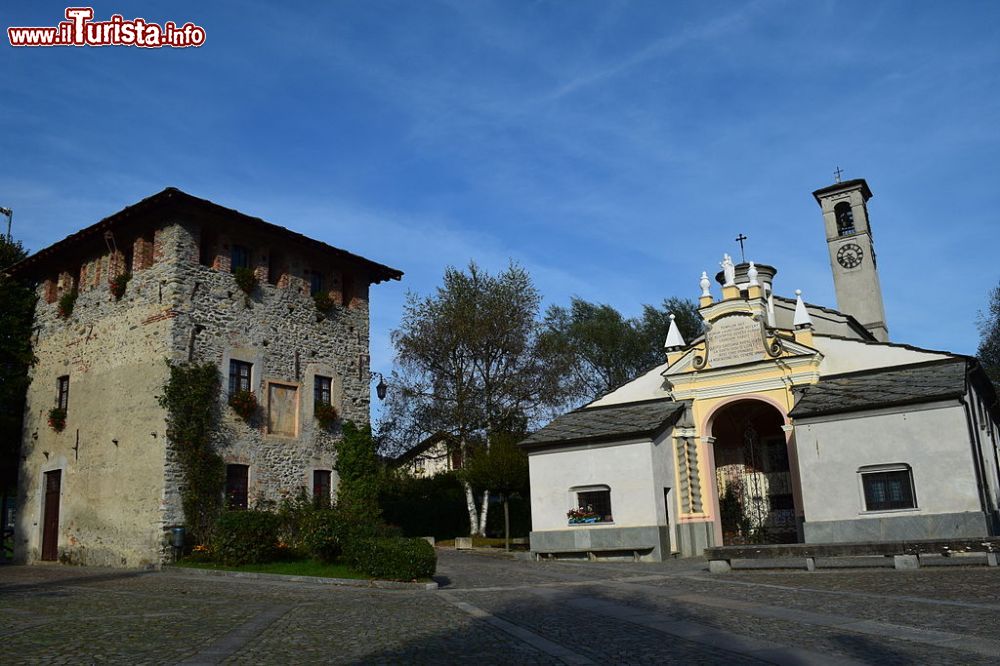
[(740, 239), (837, 173)]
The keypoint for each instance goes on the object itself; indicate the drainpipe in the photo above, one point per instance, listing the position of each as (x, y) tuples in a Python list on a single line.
[(977, 460)]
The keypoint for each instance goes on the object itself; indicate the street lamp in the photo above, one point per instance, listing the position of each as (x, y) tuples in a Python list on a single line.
[(381, 388)]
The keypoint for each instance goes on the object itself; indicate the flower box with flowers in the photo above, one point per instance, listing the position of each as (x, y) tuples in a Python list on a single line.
[(583, 515)]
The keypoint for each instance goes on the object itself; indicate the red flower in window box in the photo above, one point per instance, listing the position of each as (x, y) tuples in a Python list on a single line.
[(57, 419), (326, 414), (117, 285), (244, 403)]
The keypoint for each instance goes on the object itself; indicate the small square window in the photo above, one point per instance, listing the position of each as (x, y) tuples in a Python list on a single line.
[(63, 399), (239, 257), (321, 390), (888, 490), (237, 486), (239, 376)]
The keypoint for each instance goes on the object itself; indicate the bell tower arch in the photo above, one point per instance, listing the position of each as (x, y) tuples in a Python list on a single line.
[(852, 253)]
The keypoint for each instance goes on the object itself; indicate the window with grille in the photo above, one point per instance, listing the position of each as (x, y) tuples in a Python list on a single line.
[(321, 487), (593, 505), (63, 399), (888, 489), (239, 376), (321, 390), (237, 486)]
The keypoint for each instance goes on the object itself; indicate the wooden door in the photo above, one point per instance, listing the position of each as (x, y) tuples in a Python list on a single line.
[(50, 524)]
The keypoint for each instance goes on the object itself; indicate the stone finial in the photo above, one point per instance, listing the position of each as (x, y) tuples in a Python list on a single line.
[(705, 285), (802, 318), (674, 338), (752, 275), (728, 270)]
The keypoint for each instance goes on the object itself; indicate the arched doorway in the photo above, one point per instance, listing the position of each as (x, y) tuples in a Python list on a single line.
[(752, 475)]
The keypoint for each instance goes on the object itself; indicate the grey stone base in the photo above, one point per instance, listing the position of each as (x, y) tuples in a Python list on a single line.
[(693, 538), (898, 527), (652, 541)]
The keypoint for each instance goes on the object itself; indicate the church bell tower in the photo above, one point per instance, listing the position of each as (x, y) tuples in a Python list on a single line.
[(852, 253)]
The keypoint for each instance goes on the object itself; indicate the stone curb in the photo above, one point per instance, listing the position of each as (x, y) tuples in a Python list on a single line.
[(346, 582)]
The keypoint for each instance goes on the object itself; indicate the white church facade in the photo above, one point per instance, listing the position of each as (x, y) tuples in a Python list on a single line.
[(783, 422)]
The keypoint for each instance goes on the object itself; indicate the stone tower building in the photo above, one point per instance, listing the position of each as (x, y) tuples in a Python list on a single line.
[(852, 253), (105, 490)]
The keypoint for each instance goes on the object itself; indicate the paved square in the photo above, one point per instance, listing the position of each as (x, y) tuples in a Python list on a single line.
[(493, 610)]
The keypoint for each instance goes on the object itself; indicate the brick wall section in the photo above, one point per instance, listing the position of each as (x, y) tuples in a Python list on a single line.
[(142, 255)]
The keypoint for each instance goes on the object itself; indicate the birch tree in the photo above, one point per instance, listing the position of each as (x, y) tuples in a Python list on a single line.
[(469, 364)]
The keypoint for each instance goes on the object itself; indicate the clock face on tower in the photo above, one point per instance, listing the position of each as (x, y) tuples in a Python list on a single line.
[(850, 255)]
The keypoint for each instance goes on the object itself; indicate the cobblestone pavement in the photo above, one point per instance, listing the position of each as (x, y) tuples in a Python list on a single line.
[(493, 610)]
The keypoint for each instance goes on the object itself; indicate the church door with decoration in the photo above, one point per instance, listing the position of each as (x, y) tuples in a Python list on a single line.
[(753, 478)]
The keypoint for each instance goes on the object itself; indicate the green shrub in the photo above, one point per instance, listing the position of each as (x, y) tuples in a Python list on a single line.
[(246, 537), (322, 535), (323, 302), (392, 558), (326, 414), (118, 285), (246, 279), (428, 506), (67, 302)]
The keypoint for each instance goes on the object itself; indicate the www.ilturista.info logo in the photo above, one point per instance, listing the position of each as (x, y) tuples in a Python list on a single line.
[(81, 30)]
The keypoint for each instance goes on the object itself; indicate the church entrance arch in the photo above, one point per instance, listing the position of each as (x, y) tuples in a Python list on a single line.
[(752, 474)]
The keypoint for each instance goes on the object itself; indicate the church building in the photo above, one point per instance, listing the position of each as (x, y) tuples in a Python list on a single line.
[(783, 422)]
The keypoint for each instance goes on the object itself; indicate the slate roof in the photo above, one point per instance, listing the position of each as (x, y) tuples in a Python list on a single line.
[(883, 387), (611, 422)]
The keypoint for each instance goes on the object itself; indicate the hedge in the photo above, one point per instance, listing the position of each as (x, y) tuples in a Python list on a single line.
[(392, 558), (246, 537)]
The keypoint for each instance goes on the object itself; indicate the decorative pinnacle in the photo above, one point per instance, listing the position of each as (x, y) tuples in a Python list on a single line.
[(674, 338), (705, 284), (802, 318)]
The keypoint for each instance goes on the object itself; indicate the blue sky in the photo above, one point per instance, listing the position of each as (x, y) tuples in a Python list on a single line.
[(615, 149)]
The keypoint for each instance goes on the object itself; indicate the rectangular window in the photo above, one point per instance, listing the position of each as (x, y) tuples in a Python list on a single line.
[(315, 283), (282, 409), (63, 400), (321, 487), (237, 486), (239, 376), (239, 257), (321, 390), (888, 490), (593, 505)]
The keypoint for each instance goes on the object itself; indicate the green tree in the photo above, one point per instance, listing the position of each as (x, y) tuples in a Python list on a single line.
[(603, 349), (358, 490), (502, 468), (17, 307), (989, 342), (469, 364)]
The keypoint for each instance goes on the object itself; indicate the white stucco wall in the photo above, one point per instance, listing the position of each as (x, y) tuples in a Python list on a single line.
[(635, 472), (840, 356), (646, 387), (932, 439)]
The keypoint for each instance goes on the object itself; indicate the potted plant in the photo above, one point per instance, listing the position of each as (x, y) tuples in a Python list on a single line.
[(326, 414), (323, 302), (57, 419), (244, 403), (583, 515), (246, 279)]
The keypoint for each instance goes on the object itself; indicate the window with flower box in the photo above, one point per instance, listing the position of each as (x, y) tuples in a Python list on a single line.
[(593, 505)]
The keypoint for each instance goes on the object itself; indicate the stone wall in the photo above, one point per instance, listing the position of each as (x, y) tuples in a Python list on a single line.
[(120, 483), (111, 451)]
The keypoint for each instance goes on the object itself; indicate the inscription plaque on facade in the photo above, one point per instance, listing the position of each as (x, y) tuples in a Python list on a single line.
[(733, 340)]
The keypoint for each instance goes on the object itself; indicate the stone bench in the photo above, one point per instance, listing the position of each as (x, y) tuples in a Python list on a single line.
[(905, 554), (592, 552)]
